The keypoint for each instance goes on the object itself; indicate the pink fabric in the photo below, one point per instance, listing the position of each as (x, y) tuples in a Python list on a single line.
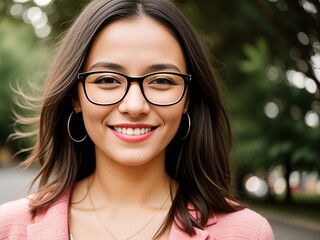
[(52, 224)]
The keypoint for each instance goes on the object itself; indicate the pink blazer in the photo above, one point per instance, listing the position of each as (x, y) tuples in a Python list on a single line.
[(52, 224)]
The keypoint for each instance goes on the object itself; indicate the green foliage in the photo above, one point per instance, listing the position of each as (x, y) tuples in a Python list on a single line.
[(23, 58), (257, 43), (256, 57)]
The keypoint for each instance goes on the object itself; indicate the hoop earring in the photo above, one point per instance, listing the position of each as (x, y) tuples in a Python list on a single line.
[(69, 132), (189, 125)]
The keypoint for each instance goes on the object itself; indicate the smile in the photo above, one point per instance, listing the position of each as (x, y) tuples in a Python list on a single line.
[(132, 131)]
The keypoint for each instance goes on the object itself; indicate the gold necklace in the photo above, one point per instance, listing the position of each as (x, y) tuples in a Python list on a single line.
[(140, 230)]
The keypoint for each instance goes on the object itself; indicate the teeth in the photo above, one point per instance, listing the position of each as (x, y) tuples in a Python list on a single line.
[(132, 131), (129, 131)]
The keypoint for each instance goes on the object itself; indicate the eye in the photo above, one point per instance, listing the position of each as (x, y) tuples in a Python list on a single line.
[(107, 80), (162, 80)]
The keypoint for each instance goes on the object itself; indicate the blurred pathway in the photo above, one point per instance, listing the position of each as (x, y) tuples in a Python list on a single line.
[(14, 185), (284, 230)]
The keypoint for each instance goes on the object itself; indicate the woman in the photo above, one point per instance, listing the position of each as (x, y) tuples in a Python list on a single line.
[(133, 138)]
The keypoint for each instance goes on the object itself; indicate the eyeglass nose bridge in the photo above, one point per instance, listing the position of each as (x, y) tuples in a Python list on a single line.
[(131, 81), (138, 80)]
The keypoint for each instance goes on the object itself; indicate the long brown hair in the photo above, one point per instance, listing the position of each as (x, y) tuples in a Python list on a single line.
[(199, 163)]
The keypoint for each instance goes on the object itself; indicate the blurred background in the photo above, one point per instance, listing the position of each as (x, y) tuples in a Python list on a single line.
[(267, 53)]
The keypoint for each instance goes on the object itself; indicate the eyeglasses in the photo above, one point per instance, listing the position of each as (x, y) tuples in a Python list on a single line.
[(159, 88)]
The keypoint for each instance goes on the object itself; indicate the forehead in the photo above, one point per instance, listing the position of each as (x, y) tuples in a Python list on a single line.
[(129, 42)]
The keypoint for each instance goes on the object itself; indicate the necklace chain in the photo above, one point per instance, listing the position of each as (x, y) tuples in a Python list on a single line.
[(140, 230)]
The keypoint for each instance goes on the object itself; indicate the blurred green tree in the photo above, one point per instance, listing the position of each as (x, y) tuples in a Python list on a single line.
[(21, 60), (269, 57)]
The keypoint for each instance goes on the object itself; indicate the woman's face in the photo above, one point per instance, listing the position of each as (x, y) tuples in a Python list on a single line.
[(134, 47)]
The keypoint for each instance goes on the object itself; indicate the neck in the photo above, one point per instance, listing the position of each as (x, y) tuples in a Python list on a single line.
[(130, 186), (128, 201)]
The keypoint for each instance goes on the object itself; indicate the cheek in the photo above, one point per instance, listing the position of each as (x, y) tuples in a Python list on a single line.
[(91, 120), (93, 116), (171, 118), (89, 110)]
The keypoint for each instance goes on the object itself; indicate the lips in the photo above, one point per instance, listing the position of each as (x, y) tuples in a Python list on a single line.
[(130, 129), (133, 133)]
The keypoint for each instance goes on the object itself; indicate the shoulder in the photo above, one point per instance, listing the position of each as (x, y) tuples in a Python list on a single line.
[(15, 210), (242, 224), (14, 217), (16, 221)]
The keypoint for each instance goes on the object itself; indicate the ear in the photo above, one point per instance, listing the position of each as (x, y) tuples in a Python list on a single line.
[(75, 101), (76, 105)]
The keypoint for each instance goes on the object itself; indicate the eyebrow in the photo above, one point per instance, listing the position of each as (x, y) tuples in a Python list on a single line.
[(113, 66), (118, 67), (163, 66)]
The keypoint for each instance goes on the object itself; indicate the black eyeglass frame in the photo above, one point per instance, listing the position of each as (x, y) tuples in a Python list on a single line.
[(186, 77)]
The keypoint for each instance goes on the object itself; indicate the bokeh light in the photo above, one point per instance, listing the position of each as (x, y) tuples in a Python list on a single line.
[(312, 119), (301, 81), (308, 6), (296, 79), (16, 10), (271, 110), (303, 38), (43, 3), (315, 61), (311, 86), (294, 179), (20, 1), (256, 186), (43, 32), (273, 73), (279, 186), (34, 16)]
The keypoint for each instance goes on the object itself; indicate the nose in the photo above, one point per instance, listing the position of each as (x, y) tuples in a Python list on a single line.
[(134, 102)]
